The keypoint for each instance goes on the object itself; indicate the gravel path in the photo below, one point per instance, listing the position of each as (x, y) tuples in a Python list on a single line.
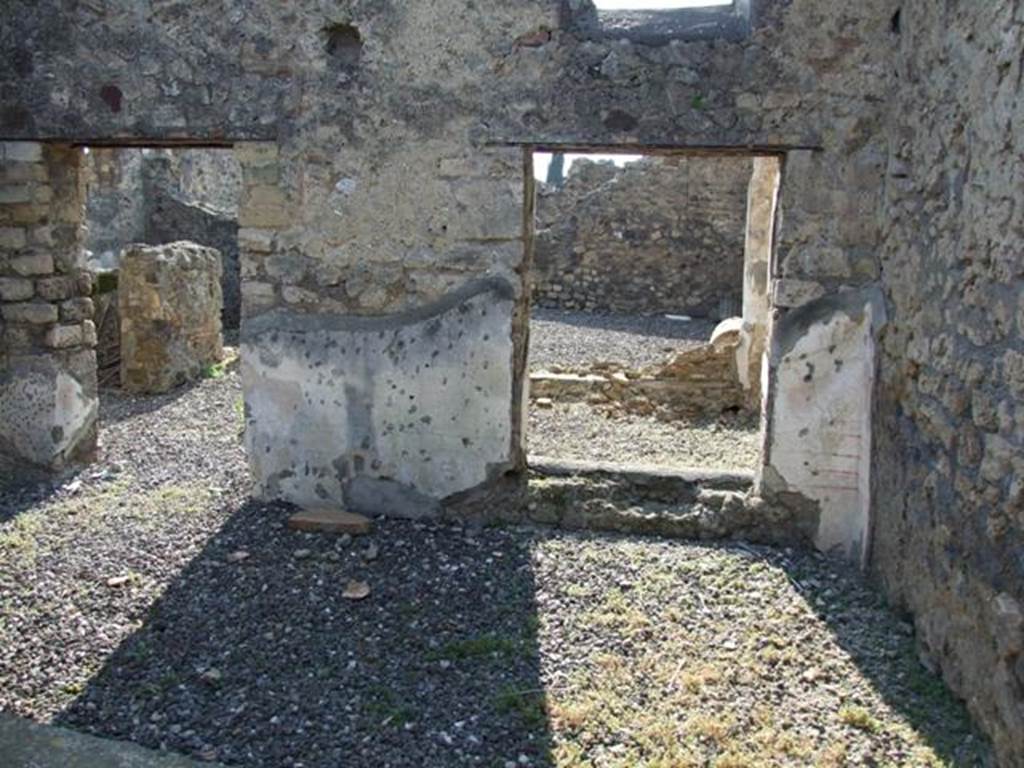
[(580, 431), (148, 599), (571, 339)]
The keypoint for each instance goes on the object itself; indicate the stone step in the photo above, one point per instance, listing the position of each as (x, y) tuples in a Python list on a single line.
[(678, 503)]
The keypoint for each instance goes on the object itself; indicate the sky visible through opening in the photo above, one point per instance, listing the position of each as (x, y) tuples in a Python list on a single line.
[(655, 5), (541, 161)]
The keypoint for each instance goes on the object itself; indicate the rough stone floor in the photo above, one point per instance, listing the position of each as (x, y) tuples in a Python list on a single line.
[(560, 339), (148, 599)]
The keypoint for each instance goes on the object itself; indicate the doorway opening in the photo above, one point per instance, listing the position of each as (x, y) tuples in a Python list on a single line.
[(160, 326), (649, 308)]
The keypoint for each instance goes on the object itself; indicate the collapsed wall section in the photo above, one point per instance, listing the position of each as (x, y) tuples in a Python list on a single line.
[(48, 399)]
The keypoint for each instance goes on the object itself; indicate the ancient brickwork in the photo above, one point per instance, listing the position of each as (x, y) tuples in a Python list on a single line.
[(661, 235), (949, 501), (169, 310), (47, 364)]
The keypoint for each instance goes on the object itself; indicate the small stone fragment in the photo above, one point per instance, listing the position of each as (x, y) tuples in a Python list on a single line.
[(237, 557), (117, 581), (371, 552), (330, 520), (302, 554), (356, 590), (544, 402)]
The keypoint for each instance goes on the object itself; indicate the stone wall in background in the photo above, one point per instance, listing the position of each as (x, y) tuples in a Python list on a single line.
[(169, 310), (949, 500), (660, 235), (48, 397), (160, 196)]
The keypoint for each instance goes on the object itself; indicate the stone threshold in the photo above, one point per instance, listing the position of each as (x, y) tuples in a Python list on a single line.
[(701, 504)]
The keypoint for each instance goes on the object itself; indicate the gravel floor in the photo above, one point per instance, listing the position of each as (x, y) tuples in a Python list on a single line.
[(148, 599), (580, 431), (571, 339)]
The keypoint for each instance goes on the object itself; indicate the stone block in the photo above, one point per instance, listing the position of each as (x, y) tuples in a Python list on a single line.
[(55, 288), (21, 151), (76, 310), (35, 313), (12, 237), (263, 208), (89, 333), (170, 301), (32, 264), (16, 289), (789, 292), (64, 336), (257, 240), (17, 193)]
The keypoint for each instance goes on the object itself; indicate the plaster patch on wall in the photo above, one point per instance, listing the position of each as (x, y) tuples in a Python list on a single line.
[(820, 446), (419, 399), (44, 411)]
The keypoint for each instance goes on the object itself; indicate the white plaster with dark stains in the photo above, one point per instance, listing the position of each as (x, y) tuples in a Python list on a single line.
[(417, 400)]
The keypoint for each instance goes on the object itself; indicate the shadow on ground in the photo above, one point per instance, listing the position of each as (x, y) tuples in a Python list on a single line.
[(254, 656)]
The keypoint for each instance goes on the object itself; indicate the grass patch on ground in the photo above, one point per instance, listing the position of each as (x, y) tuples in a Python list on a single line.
[(489, 644), (530, 706), (386, 708)]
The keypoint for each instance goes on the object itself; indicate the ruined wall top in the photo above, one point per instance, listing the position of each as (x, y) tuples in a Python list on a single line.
[(525, 71)]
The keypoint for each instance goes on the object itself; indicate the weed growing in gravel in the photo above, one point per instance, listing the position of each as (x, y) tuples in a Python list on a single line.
[(474, 647), (530, 706), (240, 412), (386, 708), (214, 371), (18, 536), (859, 718)]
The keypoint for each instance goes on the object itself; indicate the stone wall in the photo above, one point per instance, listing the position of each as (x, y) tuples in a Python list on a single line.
[(384, 189), (949, 499), (169, 306), (194, 196), (114, 203), (48, 399), (660, 235)]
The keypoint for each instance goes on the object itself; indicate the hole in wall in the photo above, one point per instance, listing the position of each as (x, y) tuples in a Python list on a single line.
[(896, 23), (344, 45)]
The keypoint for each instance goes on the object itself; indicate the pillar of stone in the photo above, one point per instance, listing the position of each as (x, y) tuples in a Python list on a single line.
[(169, 300), (48, 393), (762, 200)]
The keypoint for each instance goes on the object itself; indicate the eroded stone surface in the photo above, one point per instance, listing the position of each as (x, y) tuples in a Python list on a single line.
[(389, 414), (169, 302)]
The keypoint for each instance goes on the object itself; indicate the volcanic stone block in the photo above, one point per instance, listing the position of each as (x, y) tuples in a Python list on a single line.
[(170, 309)]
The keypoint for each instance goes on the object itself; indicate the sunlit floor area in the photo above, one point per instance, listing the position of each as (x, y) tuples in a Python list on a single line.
[(149, 600)]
